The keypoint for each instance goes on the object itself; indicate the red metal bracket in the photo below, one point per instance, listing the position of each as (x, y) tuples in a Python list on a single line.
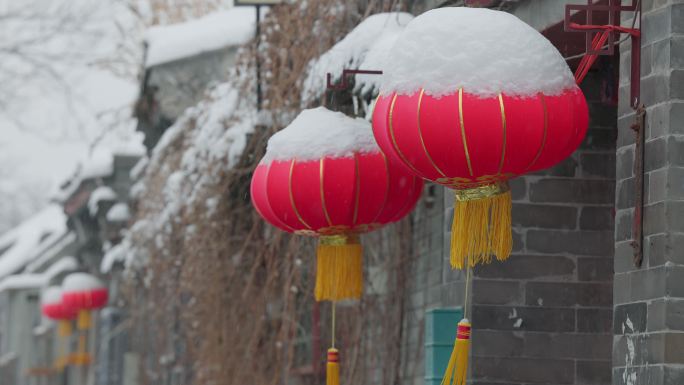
[(344, 84), (601, 39)]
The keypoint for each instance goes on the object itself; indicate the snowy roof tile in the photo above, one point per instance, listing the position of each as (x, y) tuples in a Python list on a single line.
[(212, 32), (365, 47), (24, 243), (30, 281)]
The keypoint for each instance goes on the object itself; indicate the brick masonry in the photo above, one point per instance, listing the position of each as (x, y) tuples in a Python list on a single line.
[(648, 324)]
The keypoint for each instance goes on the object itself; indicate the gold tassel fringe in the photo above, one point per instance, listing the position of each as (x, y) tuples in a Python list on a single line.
[(84, 320), (482, 225), (457, 369), (332, 372), (339, 269)]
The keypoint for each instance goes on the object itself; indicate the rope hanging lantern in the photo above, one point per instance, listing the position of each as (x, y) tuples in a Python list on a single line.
[(324, 176), (471, 98)]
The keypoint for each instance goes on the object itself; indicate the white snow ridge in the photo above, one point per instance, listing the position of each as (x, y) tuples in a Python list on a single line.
[(319, 133), (485, 52)]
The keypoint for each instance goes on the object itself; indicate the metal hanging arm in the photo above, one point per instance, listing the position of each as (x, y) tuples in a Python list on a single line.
[(344, 84), (603, 40)]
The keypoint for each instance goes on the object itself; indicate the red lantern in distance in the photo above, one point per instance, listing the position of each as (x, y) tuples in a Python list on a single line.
[(54, 308), (84, 292)]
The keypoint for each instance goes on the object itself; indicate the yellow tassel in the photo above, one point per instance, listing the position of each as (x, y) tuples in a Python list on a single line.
[(339, 270), (64, 328), (63, 332), (457, 369), (482, 226), (332, 373), (84, 320)]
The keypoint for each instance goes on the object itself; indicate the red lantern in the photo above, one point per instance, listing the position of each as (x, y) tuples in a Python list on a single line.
[(84, 292), (470, 99), (333, 197), (325, 176), (475, 136), (53, 307)]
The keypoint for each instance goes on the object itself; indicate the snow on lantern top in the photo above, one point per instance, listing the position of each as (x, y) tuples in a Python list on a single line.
[(318, 133), (485, 52), (80, 282)]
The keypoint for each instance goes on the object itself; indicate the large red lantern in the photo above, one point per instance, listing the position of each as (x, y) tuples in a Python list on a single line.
[(324, 176), (471, 98)]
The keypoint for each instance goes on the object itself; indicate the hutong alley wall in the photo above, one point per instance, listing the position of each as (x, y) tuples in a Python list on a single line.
[(222, 298)]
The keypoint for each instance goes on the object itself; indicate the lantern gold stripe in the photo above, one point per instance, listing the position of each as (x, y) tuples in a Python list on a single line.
[(292, 201), (463, 134), (503, 125), (387, 188), (357, 189), (321, 168), (420, 135), (394, 140), (546, 124)]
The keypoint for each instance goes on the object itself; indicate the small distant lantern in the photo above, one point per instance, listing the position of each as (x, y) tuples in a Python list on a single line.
[(83, 293), (52, 307), (324, 176), (471, 98)]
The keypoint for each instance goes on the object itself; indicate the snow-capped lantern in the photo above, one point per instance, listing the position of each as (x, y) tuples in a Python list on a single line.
[(53, 307), (471, 98), (84, 292), (325, 176)]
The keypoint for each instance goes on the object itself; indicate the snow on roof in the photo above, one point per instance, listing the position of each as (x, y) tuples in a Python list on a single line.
[(44, 256), (118, 213), (116, 254), (319, 133), (365, 47), (80, 282), (483, 51), (212, 32), (30, 281), (102, 193), (24, 243)]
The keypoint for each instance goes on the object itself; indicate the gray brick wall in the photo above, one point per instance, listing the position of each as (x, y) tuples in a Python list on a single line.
[(648, 343)]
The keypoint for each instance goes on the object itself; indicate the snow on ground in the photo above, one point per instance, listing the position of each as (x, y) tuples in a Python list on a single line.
[(24, 243), (319, 132), (480, 50), (365, 47), (217, 30)]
